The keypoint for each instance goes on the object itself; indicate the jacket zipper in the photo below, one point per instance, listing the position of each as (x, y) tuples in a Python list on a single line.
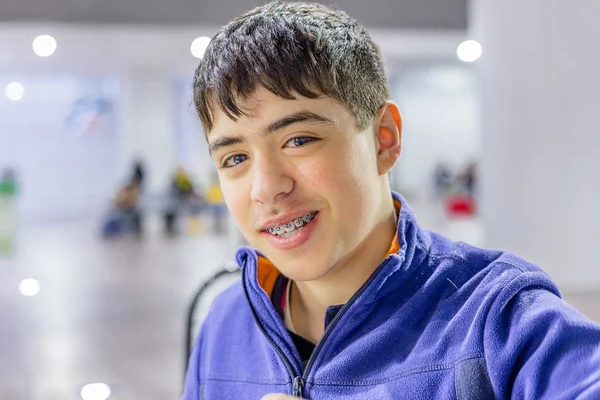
[(297, 387), (333, 323), (298, 382)]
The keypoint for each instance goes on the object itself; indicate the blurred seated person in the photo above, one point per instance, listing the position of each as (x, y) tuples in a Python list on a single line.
[(469, 179), (463, 202), (128, 197), (216, 204), (442, 180), (182, 197), (139, 173), (8, 177), (126, 213), (183, 186), (8, 182)]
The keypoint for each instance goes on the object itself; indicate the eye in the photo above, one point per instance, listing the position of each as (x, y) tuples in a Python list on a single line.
[(299, 141), (234, 160)]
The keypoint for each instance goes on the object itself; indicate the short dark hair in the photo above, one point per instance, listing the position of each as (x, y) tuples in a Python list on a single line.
[(287, 48)]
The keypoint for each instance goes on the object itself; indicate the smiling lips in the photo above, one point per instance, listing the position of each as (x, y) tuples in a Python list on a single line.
[(292, 227)]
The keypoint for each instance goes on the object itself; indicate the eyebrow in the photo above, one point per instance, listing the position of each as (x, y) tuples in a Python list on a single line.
[(224, 142), (297, 117)]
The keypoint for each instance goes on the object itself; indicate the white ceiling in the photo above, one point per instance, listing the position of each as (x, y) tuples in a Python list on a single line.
[(398, 14)]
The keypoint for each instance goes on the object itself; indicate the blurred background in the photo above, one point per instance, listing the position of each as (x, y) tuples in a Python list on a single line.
[(111, 216)]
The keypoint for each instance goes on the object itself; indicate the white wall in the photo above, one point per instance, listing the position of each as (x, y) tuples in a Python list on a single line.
[(438, 105), (63, 148), (541, 171)]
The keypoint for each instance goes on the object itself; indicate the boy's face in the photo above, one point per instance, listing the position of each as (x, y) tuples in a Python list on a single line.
[(305, 186)]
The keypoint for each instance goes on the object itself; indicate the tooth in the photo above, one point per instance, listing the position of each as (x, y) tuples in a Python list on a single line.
[(277, 230), (307, 218), (292, 233), (298, 223), (288, 227)]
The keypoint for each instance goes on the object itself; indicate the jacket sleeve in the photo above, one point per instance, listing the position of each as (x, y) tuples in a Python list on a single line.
[(192, 386), (539, 347)]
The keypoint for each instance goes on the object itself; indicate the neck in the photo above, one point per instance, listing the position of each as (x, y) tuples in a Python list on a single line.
[(309, 300)]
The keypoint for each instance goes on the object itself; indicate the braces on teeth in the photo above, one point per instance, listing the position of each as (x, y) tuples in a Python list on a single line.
[(292, 225)]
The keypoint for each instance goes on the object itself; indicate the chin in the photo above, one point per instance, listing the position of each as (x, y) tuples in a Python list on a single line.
[(303, 269), (303, 264)]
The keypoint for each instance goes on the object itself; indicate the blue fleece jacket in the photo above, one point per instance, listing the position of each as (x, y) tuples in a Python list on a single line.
[(437, 320)]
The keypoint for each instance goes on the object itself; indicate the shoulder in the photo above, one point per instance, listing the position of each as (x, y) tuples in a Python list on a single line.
[(229, 317), (228, 304), (493, 271)]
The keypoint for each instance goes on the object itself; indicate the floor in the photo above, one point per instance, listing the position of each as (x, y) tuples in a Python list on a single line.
[(113, 311), (108, 311)]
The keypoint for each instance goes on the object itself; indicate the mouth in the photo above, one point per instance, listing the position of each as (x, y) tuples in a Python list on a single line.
[(292, 227)]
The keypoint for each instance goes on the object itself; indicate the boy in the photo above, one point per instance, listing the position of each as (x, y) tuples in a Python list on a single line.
[(346, 296)]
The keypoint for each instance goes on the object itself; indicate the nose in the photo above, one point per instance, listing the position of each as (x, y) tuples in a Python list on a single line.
[(269, 181)]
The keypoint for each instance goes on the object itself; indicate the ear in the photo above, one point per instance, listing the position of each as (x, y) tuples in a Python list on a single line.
[(389, 137)]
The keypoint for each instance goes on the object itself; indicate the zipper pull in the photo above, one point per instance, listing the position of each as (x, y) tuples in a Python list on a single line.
[(298, 386)]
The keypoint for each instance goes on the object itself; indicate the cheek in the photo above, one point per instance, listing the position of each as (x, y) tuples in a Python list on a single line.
[(320, 174), (236, 199), (346, 172), (326, 173), (355, 163), (361, 174)]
